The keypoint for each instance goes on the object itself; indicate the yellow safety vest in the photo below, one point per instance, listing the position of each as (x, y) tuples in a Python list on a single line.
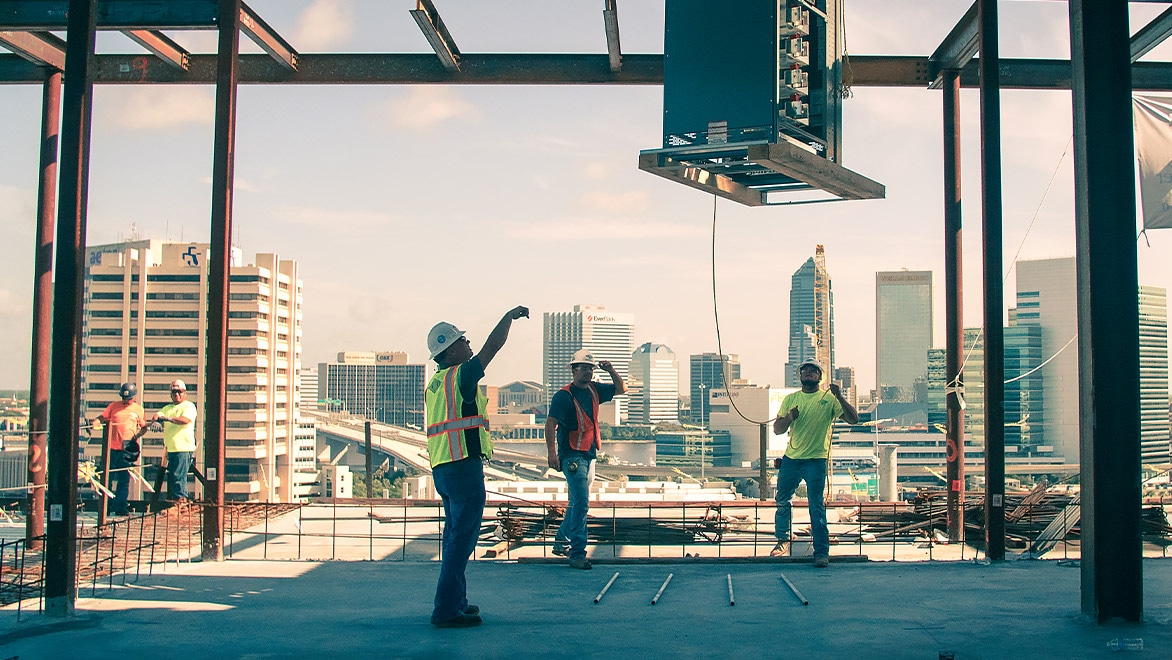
[(445, 423)]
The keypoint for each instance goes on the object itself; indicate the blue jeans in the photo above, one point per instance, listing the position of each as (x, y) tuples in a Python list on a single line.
[(178, 463), (789, 475), (119, 482), (461, 487), (573, 528)]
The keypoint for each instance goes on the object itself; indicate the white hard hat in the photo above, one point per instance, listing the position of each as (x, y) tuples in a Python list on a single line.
[(583, 356), (178, 384), (811, 362), (441, 337)]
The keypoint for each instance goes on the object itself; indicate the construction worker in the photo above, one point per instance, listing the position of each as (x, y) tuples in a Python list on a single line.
[(457, 444), (178, 423), (808, 415), (572, 441), (124, 418)]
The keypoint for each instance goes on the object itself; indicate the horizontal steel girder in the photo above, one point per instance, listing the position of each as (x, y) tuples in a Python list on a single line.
[(113, 14), (537, 69)]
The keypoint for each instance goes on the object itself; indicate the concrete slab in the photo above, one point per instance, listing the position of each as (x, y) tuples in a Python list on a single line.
[(255, 609)]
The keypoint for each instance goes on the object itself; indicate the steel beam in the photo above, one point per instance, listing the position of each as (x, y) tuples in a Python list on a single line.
[(994, 308), (1151, 35), (957, 49), (267, 38), (219, 268), (536, 69), (113, 15), (1108, 313), (785, 158), (38, 397), (437, 34), (68, 302), (610, 21), (161, 45), (953, 310), (40, 48)]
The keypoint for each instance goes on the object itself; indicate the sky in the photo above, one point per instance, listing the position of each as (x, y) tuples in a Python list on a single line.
[(408, 205)]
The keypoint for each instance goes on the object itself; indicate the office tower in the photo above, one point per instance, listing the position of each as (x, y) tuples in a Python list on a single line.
[(606, 334), (705, 375), (307, 395), (1025, 414), (903, 332), (811, 317), (1047, 297), (845, 377), (146, 322), (1153, 374), (655, 367), (382, 386)]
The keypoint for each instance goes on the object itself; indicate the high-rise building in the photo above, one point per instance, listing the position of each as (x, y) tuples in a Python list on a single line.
[(811, 317), (706, 374), (380, 386), (903, 332), (146, 322), (1047, 297), (606, 334), (655, 368), (1153, 374), (845, 377), (307, 395)]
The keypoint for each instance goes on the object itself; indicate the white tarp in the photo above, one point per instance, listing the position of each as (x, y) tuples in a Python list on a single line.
[(1153, 142)]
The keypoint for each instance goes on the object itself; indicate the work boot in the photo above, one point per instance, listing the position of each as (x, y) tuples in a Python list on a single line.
[(462, 620), (581, 563), (780, 550), (471, 609), (822, 561), (561, 550)]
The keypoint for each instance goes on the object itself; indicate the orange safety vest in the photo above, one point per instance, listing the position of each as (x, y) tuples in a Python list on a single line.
[(587, 436)]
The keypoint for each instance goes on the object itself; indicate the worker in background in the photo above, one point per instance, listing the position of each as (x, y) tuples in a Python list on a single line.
[(178, 422), (572, 440), (458, 443), (808, 415), (124, 418)]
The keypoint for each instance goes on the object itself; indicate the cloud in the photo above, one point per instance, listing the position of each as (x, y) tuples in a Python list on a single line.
[(333, 220), (17, 204), (601, 229), (323, 25), (596, 171), (13, 306), (162, 107), (423, 107), (628, 203)]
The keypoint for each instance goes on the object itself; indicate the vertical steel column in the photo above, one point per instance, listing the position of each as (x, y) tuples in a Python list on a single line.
[(764, 489), (1108, 312), (994, 284), (954, 298), (38, 399), (219, 267), (68, 292)]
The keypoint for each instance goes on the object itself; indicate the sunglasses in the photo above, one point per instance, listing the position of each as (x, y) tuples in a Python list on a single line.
[(177, 391)]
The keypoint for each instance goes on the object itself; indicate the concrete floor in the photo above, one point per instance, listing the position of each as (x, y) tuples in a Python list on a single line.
[(286, 609)]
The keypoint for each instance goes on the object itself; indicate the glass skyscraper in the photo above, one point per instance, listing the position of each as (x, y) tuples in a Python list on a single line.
[(705, 375), (903, 332), (607, 334), (811, 318)]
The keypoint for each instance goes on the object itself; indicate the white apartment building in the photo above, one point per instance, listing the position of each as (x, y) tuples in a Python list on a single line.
[(656, 371), (607, 334), (146, 322)]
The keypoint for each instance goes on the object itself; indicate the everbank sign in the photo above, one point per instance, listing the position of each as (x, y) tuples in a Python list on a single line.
[(594, 318)]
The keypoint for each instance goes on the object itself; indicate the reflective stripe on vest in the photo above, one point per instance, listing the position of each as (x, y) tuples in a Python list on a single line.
[(587, 436)]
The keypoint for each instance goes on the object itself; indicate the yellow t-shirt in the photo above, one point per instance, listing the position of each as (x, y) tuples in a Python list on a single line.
[(179, 437), (809, 434)]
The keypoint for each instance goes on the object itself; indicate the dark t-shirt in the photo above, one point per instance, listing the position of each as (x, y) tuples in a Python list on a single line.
[(470, 375), (562, 409)]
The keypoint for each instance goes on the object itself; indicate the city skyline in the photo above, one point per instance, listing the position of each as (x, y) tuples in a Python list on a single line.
[(563, 184)]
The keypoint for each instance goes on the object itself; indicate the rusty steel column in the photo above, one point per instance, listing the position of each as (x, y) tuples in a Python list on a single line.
[(994, 284), (953, 309), (38, 396), (219, 268), (68, 292), (1108, 313)]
